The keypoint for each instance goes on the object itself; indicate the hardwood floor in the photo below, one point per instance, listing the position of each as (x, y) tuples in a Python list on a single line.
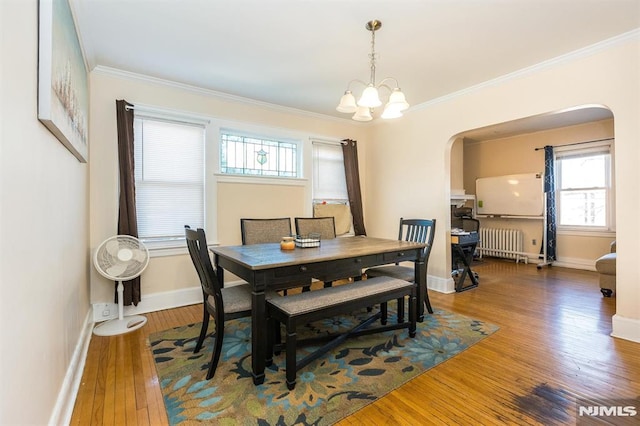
[(553, 347)]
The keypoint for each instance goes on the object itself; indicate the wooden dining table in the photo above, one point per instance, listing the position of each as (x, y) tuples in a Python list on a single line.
[(267, 267)]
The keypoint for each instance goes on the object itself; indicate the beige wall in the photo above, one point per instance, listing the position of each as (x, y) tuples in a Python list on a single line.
[(44, 227), (517, 154), (409, 161), (172, 275)]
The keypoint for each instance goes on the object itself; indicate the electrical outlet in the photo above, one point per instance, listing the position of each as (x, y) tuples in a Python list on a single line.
[(534, 242), (104, 311)]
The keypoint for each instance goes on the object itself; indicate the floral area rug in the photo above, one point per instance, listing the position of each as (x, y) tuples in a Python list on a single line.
[(341, 382)]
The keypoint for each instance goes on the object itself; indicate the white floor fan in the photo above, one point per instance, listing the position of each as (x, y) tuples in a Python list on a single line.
[(121, 258)]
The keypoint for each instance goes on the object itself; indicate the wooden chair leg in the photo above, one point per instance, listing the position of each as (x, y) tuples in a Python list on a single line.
[(203, 329), (413, 315), (400, 310), (217, 349), (426, 301), (291, 355), (271, 335)]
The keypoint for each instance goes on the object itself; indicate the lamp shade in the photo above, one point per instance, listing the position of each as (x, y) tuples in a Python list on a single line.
[(347, 103), (362, 114), (397, 100), (370, 98), (391, 111)]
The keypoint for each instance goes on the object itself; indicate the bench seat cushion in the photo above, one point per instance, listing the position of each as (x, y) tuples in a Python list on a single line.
[(302, 303)]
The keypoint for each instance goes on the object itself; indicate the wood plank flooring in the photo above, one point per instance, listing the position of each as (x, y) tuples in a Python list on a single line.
[(553, 347)]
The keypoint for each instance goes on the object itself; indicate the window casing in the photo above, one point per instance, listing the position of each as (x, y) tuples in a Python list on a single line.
[(169, 175), (584, 188)]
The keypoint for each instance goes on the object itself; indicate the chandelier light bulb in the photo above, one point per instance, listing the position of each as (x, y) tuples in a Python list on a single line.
[(362, 114), (347, 103), (370, 97), (398, 100)]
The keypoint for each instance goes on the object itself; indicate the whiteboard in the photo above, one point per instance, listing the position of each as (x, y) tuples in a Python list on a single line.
[(510, 195)]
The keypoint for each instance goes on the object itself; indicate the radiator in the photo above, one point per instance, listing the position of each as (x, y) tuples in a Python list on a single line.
[(505, 243)]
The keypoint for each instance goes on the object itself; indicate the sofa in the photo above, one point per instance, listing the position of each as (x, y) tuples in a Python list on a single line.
[(606, 267)]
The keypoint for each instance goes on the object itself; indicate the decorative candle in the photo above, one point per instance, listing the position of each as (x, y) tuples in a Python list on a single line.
[(287, 243)]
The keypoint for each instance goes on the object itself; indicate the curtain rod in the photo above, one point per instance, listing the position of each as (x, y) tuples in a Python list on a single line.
[(579, 143)]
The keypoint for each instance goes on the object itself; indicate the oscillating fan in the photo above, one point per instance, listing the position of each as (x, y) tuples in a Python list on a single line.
[(121, 258)]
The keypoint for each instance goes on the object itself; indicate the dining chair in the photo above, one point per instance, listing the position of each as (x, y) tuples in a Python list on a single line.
[(270, 230), (418, 231), (221, 303), (257, 231), (325, 226)]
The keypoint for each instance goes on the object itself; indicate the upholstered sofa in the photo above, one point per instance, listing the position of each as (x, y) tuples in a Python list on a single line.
[(606, 267)]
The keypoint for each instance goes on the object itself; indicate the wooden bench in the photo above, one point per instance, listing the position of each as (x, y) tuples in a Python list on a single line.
[(299, 309)]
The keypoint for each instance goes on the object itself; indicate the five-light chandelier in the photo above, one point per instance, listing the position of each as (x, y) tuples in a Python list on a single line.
[(370, 97)]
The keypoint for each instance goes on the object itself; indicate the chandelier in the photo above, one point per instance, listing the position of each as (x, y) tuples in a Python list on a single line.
[(370, 97)]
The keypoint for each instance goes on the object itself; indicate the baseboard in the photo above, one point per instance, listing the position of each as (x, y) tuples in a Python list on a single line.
[(442, 285), (66, 400), (565, 262), (626, 328)]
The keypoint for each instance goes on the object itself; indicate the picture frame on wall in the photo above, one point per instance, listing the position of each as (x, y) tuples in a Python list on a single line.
[(63, 89)]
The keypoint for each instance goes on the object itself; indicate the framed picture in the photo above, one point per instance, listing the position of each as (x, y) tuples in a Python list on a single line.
[(63, 89)]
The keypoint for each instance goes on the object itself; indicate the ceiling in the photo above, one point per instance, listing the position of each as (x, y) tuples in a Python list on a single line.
[(302, 53)]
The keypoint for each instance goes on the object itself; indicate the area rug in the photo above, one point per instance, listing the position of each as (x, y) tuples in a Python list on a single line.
[(341, 382)]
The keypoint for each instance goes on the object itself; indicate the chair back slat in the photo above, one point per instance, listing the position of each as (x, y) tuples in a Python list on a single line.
[(418, 231)]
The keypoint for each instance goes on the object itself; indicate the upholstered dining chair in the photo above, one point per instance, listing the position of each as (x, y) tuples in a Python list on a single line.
[(325, 226), (258, 231), (222, 303), (270, 230), (415, 230)]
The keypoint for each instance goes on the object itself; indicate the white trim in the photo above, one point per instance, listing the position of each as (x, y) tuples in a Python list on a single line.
[(166, 300), (114, 72), (585, 51), (66, 400), (625, 328), (441, 285), (259, 180)]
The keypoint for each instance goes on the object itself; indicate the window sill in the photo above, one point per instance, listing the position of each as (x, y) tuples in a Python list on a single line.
[(260, 180), (162, 249), (600, 233)]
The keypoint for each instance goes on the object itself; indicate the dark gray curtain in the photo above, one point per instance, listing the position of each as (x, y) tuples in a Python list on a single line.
[(550, 196), (127, 218), (350, 154)]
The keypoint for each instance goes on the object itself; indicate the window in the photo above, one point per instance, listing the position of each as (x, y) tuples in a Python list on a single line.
[(584, 198), (329, 181), (244, 154), (169, 174)]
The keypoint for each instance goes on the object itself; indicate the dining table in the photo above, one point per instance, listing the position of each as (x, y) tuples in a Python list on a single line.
[(266, 267)]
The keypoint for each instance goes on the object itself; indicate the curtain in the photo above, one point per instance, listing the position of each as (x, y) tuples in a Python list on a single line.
[(550, 197), (127, 219), (352, 174)]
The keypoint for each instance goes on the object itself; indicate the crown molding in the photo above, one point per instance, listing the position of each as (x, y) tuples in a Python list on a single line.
[(128, 75), (580, 53)]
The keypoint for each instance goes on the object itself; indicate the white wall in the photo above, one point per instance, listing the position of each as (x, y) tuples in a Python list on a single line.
[(44, 228), (406, 159)]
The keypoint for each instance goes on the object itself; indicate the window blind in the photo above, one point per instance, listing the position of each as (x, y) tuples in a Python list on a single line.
[(169, 173), (329, 181)]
